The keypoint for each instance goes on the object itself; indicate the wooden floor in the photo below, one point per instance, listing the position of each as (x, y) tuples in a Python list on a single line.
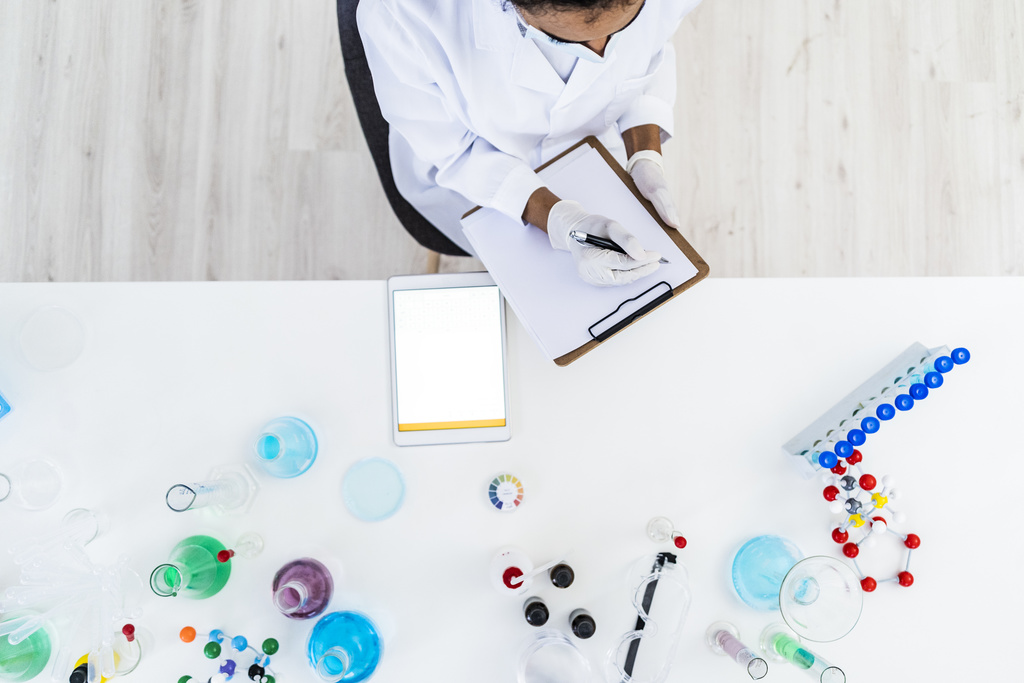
[(215, 139)]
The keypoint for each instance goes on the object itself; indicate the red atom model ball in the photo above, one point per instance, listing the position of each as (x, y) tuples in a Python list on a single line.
[(851, 550), (868, 584), (679, 541), (840, 468), (840, 536), (855, 457), (830, 492), (129, 632), (225, 555), (906, 578), (913, 541), (867, 482)]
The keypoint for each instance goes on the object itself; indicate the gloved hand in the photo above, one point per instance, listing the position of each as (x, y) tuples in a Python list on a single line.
[(594, 265), (647, 171)]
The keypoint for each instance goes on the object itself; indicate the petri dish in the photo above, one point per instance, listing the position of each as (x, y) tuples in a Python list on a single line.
[(51, 339), (550, 657), (373, 489), (759, 568), (5, 487), (36, 484)]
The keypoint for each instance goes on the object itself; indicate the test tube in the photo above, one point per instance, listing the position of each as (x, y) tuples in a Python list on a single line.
[(723, 639), (784, 647)]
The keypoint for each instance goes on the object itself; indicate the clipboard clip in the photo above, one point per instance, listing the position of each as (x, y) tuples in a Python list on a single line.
[(633, 309)]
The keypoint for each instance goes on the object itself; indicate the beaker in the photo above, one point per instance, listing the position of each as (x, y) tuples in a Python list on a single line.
[(193, 570), (344, 646), (759, 568), (550, 657), (27, 658), (302, 588), (821, 599), (286, 447)]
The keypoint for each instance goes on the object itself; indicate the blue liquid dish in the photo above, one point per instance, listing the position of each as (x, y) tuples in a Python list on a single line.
[(286, 447), (856, 437), (904, 402), (759, 568), (344, 646), (960, 355), (870, 425), (885, 411), (373, 489), (918, 391), (827, 460)]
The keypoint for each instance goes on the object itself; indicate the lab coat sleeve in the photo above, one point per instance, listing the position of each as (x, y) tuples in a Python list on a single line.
[(414, 104), (654, 105)]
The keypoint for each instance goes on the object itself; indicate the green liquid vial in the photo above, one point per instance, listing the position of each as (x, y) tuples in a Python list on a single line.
[(27, 659), (193, 570), (791, 650)]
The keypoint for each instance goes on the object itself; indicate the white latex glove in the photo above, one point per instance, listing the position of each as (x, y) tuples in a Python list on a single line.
[(648, 173), (594, 265)]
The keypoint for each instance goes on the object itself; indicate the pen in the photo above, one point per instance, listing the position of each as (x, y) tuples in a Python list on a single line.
[(595, 241)]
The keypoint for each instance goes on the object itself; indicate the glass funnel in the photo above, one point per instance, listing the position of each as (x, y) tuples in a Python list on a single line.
[(286, 447), (193, 570), (821, 599)]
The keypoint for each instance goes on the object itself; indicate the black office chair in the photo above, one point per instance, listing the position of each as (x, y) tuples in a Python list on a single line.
[(375, 130)]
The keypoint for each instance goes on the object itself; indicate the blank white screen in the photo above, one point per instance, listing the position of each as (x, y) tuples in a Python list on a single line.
[(448, 360)]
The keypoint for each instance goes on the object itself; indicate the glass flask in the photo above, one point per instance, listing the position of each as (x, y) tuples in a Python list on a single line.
[(344, 646), (286, 447), (26, 659), (193, 570), (302, 588)]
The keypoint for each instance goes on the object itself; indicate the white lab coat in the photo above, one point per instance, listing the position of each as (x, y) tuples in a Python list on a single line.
[(474, 106)]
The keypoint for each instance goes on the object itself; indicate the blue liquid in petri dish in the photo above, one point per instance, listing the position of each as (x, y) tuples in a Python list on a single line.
[(355, 636), (759, 568), (373, 489)]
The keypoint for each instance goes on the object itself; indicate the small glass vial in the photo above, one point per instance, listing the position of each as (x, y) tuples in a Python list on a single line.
[(535, 611), (582, 624), (562, 575)]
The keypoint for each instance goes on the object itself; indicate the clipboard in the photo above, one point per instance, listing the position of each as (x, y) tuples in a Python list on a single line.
[(613, 318)]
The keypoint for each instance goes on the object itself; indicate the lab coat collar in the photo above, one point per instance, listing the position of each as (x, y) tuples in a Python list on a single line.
[(495, 30)]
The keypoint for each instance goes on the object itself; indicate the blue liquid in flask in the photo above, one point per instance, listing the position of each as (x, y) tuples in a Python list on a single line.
[(286, 447), (344, 646)]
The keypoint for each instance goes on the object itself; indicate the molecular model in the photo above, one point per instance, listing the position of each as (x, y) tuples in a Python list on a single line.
[(864, 501), (216, 642)]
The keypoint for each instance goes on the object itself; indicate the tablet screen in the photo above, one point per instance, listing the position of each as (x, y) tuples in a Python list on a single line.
[(449, 371)]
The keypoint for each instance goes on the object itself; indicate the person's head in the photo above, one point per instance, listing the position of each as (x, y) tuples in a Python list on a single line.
[(579, 21)]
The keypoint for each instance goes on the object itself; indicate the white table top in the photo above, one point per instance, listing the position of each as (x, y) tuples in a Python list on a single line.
[(682, 415)]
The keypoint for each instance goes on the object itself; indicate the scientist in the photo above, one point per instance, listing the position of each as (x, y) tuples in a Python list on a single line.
[(480, 92)]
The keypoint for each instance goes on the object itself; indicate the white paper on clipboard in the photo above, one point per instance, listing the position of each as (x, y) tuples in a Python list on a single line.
[(540, 283)]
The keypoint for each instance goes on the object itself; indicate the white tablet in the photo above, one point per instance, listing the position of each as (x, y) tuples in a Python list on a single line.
[(449, 377)]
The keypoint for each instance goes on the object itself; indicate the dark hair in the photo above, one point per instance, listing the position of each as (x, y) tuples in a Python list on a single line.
[(544, 6)]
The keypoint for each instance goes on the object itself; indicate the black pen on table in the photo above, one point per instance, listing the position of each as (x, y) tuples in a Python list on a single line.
[(595, 241)]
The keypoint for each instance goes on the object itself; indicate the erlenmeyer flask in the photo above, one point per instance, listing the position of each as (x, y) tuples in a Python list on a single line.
[(344, 646), (302, 588), (193, 570), (286, 447), (26, 659)]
